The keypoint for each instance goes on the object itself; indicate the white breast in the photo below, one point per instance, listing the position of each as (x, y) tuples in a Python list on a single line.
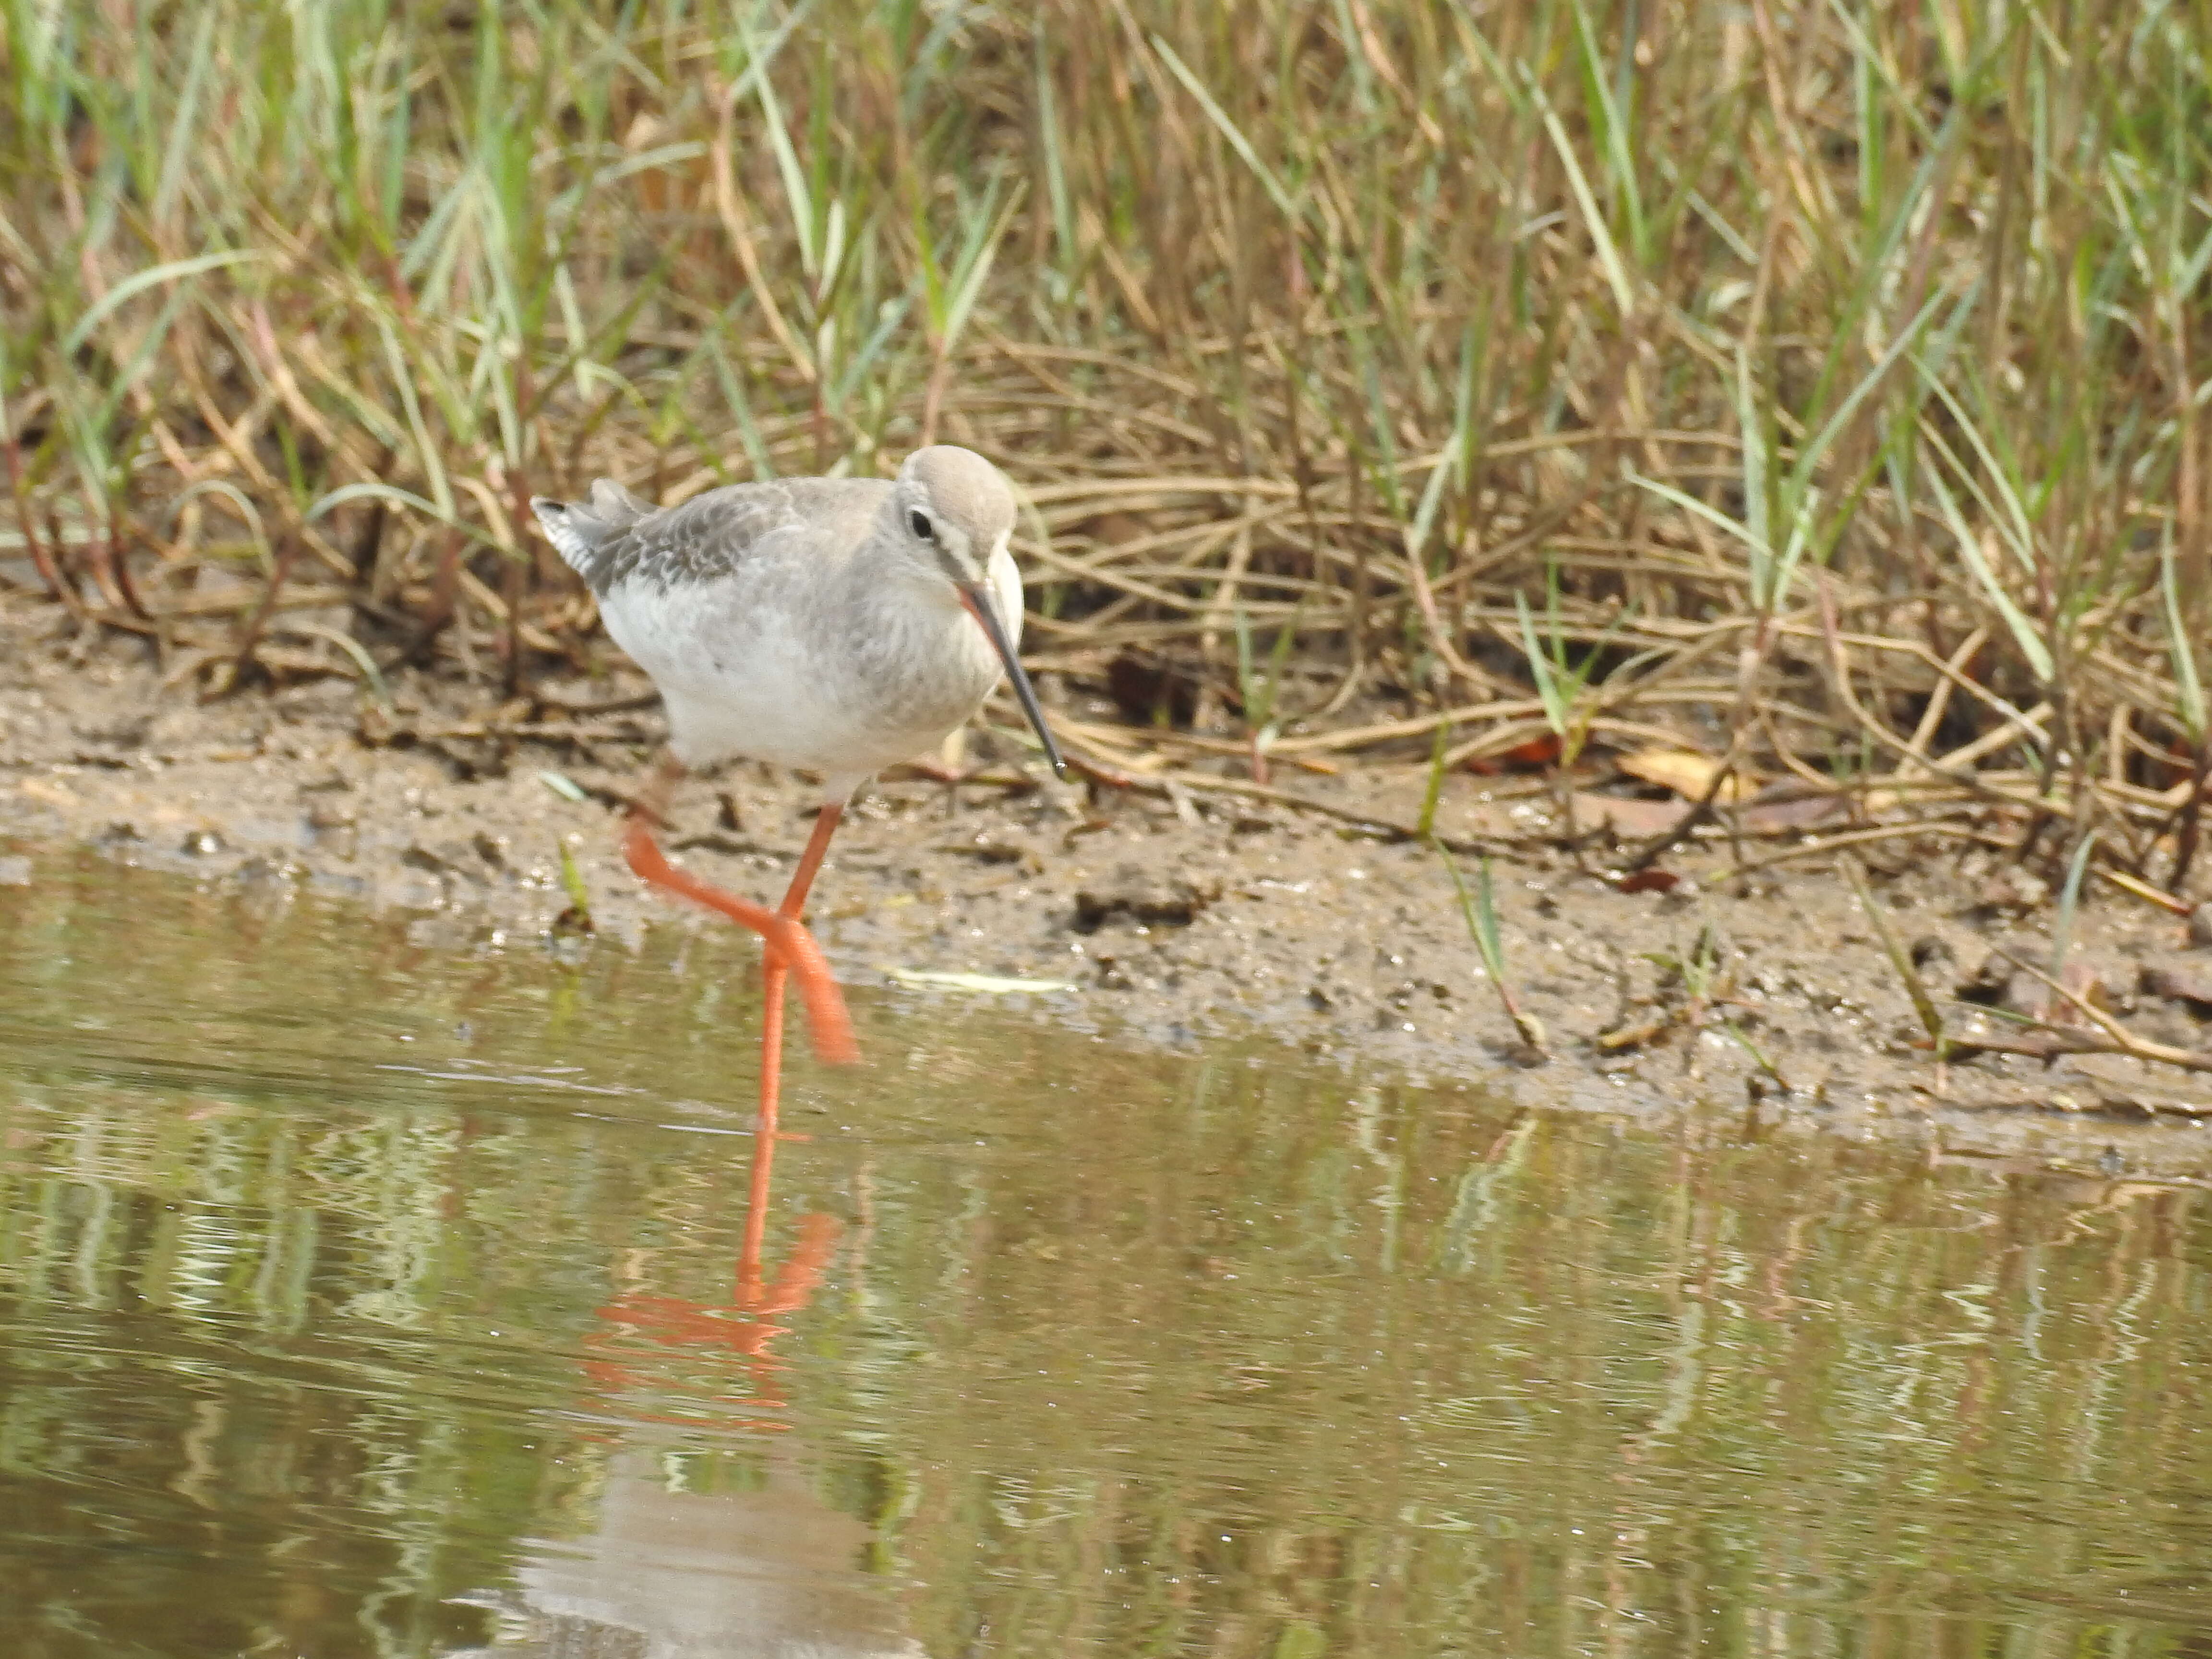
[(733, 687), (744, 675)]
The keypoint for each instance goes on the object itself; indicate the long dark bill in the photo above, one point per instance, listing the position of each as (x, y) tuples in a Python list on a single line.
[(978, 601)]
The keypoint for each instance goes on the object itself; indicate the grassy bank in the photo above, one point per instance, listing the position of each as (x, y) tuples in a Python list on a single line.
[(1832, 369)]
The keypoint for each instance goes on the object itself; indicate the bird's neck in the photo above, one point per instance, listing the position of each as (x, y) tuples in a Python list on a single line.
[(893, 605), (886, 584)]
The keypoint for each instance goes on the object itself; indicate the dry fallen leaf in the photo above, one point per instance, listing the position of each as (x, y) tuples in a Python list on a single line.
[(1541, 750), (1688, 774)]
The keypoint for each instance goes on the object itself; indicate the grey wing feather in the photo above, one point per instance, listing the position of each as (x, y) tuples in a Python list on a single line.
[(581, 532), (710, 535)]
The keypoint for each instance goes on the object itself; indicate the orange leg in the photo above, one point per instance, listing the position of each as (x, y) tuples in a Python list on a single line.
[(791, 948), (773, 975), (795, 903)]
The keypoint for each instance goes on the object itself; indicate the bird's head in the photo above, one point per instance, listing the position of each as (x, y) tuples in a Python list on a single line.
[(956, 512)]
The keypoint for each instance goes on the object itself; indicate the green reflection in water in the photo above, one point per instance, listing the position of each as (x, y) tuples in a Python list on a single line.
[(341, 1277)]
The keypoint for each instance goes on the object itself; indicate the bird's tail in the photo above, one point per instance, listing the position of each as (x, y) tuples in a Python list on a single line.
[(578, 529)]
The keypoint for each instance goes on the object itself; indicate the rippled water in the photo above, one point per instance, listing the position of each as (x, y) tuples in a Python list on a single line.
[(362, 1297)]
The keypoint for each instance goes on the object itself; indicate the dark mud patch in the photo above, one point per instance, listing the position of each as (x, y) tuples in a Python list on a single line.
[(1171, 918)]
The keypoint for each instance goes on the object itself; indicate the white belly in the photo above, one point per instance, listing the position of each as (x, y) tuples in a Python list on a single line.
[(739, 683)]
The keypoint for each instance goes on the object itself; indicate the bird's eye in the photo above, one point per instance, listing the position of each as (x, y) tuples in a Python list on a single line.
[(918, 521)]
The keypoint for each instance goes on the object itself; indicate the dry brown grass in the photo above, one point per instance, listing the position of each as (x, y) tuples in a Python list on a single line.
[(1833, 370)]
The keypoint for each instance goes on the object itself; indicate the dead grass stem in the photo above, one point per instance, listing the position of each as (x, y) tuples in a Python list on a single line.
[(1857, 353)]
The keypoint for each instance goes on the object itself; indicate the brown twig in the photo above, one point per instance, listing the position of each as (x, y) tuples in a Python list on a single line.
[(41, 560), (249, 635), (2115, 1039), (1813, 849)]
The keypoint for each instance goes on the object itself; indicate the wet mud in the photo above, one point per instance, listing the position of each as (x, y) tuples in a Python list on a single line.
[(1171, 916)]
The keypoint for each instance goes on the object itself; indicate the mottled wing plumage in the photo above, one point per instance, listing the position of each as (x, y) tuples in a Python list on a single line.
[(709, 535), (579, 531)]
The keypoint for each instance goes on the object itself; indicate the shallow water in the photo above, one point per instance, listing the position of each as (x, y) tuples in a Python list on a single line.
[(358, 1296)]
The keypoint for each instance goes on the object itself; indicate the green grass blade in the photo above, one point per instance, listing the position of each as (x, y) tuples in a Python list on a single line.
[(1277, 193)]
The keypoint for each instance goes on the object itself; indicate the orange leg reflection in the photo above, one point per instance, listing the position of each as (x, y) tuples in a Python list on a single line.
[(643, 1334)]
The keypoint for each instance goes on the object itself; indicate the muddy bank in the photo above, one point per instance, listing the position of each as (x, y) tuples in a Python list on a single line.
[(1164, 917)]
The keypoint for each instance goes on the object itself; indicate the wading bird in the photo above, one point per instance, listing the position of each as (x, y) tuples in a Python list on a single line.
[(835, 625)]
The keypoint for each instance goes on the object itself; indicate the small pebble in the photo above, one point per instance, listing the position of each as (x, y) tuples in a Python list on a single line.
[(15, 873)]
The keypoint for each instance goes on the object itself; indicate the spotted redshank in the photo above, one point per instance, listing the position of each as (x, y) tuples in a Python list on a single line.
[(835, 625)]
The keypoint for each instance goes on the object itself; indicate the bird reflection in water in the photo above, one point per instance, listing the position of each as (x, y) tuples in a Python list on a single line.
[(671, 1571)]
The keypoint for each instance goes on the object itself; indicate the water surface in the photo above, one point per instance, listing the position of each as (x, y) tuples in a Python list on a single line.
[(359, 1296)]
